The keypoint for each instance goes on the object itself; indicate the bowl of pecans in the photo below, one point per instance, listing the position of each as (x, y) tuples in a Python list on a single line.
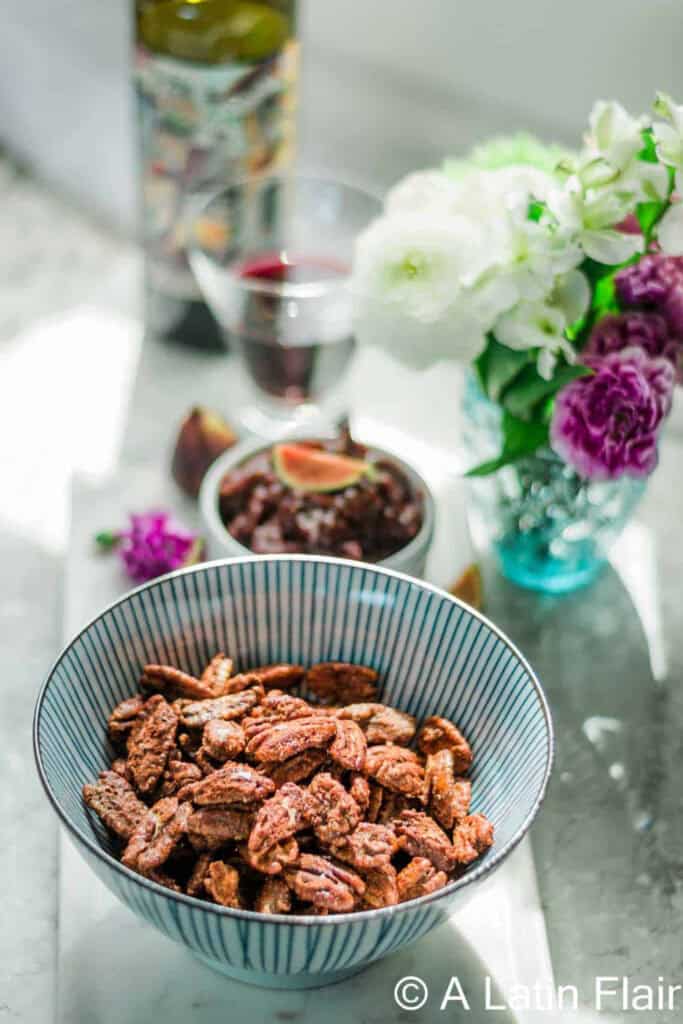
[(292, 765)]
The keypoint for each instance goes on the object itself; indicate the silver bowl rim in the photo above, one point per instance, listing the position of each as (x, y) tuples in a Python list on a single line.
[(486, 867)]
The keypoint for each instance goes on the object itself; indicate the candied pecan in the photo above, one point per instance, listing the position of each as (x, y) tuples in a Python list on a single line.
[(422, 837), (396, 768), (349, 746), (222, 883), (418, 878), (359, 789), (381, 889), (271, 861), (328, 886), (217, 674), (177, 776), (172, 681), (394, 804), (195, 883), (375, 802), (472, 837), (341, 682), (297, 768), (114, 800), (367, 847), (283, 740), (380, 723), (149, 746), (229, 707), (120, 766), (148, 851), (279, 818), (234, 783), (274, 897), (276, 677), (449, 798), (223, 740), (437, 733), (212, 827), (331, 811), (124, 716), (277, 706)]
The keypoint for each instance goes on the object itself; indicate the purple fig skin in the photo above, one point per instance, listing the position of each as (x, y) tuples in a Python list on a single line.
[(203, 436)]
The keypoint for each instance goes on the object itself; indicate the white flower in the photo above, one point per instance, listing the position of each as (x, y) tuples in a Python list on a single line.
[(669, 135), (591, 218), (670, 230), (408, 287), (615, 135), (543, 324), (421, 191)]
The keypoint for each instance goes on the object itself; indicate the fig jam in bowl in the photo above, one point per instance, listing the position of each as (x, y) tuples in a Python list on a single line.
[(343, 499)]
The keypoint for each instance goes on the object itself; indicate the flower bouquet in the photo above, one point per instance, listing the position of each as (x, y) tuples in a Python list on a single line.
[(557, 278)]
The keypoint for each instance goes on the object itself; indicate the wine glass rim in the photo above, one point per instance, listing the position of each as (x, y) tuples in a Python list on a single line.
[(314, 287)]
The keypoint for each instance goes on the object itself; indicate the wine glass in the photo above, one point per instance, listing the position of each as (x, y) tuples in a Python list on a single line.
[(272, 256)]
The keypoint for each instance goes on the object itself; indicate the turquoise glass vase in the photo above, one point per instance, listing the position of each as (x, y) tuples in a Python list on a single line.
[(549, 529)]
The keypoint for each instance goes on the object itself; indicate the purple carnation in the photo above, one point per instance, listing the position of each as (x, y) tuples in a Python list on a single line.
[(648, 331), (153, 545), (655, 284), (606, 425)]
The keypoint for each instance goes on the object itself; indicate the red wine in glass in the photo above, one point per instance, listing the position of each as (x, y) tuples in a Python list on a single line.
[(292, 323)]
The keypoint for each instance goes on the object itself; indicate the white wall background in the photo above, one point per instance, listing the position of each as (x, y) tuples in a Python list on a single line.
[(389, 85)]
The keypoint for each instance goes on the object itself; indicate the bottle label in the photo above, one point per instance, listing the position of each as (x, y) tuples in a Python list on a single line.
[(200, 126)]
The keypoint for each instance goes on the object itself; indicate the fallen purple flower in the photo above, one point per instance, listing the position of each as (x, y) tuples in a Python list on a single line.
[(154, 544)]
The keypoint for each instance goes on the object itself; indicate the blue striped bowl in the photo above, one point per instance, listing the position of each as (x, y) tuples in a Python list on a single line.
[(435, 656)]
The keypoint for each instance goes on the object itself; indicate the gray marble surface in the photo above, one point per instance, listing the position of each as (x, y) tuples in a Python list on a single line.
[(79, 391)]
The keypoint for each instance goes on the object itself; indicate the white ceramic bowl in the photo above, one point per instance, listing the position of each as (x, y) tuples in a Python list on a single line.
[(410, 559)]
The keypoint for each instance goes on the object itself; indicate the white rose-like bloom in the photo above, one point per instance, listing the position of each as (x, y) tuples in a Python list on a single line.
[(421, 191), (410, 295)]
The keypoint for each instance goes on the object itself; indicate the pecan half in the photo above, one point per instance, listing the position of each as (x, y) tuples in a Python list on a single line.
[(195, 883), (229, 707), (418, 878), (331, 811), (272, 860), (212, 827), (449, 798), (328, 886), (381, 889), (276, 677), (375, 802), (172, 682), (124, 717), (359, 788), (396, 768), (422, 837), (340, 682), (437, 734), (393, 804), (149, 746), (368, 847), (279, 818), (149, 848), (277, 706), (380, 723), (223, 740), (297, 768), (472, 837), (222, 883), (274, 897), (233, 784), (217, 675), (349, 746), (114, 800), (177, 776), (283, 740)]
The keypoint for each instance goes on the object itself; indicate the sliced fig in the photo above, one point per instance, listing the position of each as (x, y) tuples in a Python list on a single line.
[(304, 468)]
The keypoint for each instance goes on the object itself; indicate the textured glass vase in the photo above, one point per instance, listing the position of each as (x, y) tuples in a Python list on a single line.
[(550, 529)]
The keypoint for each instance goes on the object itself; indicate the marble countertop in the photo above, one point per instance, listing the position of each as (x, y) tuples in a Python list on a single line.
[(81, 391)]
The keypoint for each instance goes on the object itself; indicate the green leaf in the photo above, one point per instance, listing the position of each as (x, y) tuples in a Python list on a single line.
[(497, 366), (107, 539), (520, 438), (530, 388), (648, 214), (649, 151)]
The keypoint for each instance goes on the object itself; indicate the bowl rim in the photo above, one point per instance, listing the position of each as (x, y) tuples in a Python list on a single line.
[(485, 867), (230, 459)]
